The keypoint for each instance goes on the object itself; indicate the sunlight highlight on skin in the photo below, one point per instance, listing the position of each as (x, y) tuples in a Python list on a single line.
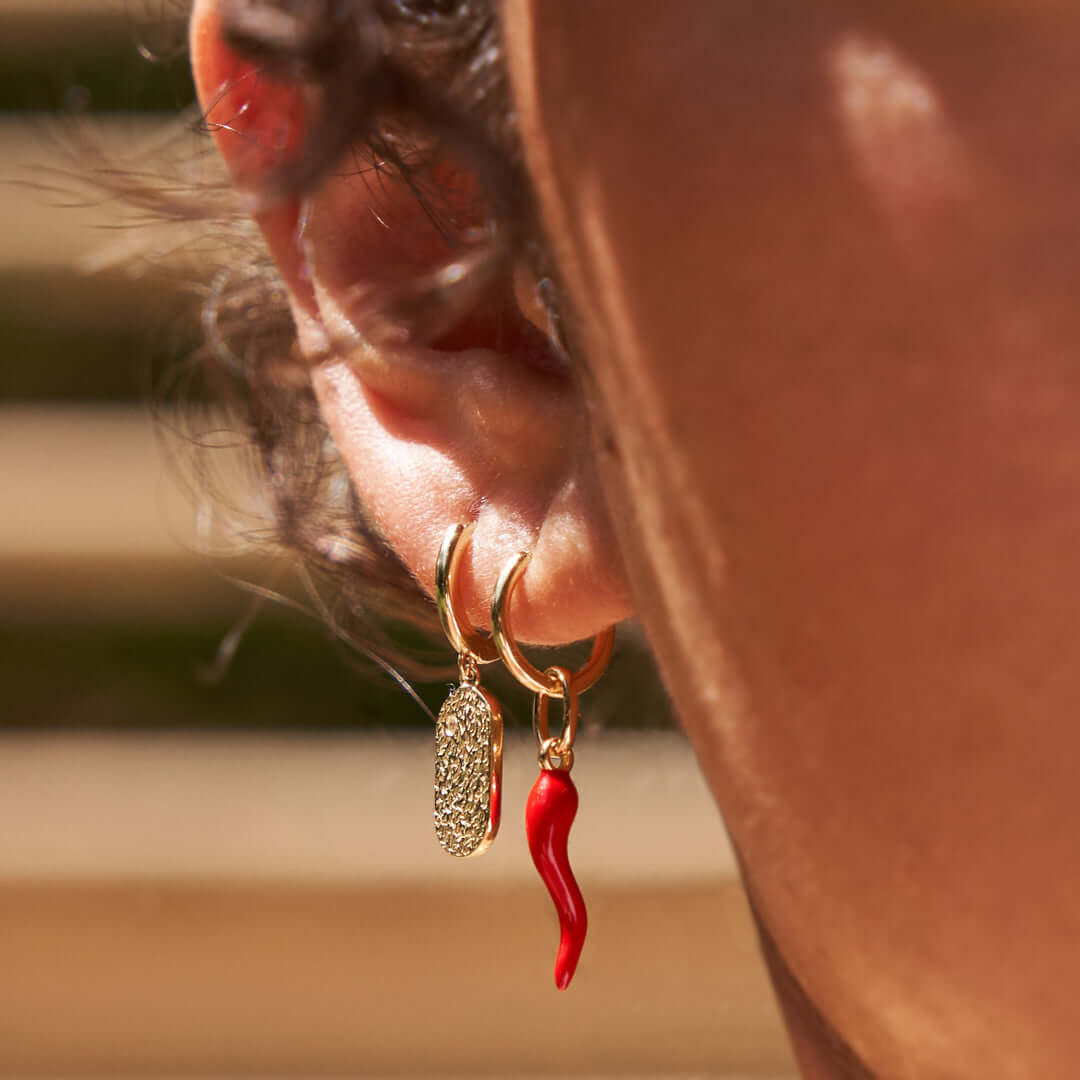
[(908, 155)]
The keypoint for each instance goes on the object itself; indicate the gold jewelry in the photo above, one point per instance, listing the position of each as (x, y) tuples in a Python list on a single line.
[(469, 727), (553, 801), (526, 673)]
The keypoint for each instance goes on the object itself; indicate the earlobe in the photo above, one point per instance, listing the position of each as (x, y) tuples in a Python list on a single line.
[(473, 425)]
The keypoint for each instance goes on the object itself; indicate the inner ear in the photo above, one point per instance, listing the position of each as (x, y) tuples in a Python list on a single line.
[(446, 401)]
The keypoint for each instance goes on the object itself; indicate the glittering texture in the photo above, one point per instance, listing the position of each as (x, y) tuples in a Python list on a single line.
[(467, 737)]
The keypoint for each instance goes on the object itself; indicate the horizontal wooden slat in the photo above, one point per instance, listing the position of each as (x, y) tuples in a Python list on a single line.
[(130, 807), (82, 483), (95, 524), (63, 8), (50, 220), (206, 980), (275, 906)]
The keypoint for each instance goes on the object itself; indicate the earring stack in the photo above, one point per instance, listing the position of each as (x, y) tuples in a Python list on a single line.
[(468, 745)]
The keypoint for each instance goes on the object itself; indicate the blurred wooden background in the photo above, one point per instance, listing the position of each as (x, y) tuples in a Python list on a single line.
[(237, 877)]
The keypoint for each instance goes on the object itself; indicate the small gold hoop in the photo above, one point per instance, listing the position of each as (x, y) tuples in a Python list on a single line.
[(526, 673), (466, 642), (570, 712), (550, 752)]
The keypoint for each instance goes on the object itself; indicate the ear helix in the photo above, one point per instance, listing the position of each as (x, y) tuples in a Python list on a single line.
[(257, 120), (258, 126)]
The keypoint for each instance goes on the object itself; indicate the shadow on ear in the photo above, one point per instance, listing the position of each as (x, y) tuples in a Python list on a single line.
[(476, 424)]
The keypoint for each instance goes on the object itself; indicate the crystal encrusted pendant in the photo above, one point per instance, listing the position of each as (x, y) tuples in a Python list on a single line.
[(468, 770)]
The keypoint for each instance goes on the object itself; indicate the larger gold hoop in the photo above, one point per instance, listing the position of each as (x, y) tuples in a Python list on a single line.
[(465, 641), (527, 674)]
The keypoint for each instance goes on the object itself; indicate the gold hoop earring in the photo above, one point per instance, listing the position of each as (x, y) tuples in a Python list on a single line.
[(553, 800), (525, 672), (469, 727)]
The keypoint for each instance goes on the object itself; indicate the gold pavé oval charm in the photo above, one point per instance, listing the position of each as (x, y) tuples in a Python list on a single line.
[(468, 770)]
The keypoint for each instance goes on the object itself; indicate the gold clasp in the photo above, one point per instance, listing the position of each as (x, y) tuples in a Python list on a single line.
[(560, 749)]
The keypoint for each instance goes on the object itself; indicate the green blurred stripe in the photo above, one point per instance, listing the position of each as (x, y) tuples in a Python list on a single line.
[(286, 674), (152, 675), (88, 338), (65, 62)]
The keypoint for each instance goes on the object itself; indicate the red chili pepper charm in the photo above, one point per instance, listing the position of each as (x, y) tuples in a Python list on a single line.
[(549, 813)]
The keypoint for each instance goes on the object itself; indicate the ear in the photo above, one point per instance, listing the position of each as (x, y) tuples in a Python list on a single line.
[(483, 428), (256, 123)]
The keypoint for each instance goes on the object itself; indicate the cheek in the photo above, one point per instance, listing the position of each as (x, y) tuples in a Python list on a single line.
[(842, 374)]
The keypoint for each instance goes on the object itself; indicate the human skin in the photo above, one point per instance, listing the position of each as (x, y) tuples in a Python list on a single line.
[(826, 256), (824, 259)]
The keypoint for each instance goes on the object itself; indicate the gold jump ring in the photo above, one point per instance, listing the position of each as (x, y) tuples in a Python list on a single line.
[(570, 712)]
